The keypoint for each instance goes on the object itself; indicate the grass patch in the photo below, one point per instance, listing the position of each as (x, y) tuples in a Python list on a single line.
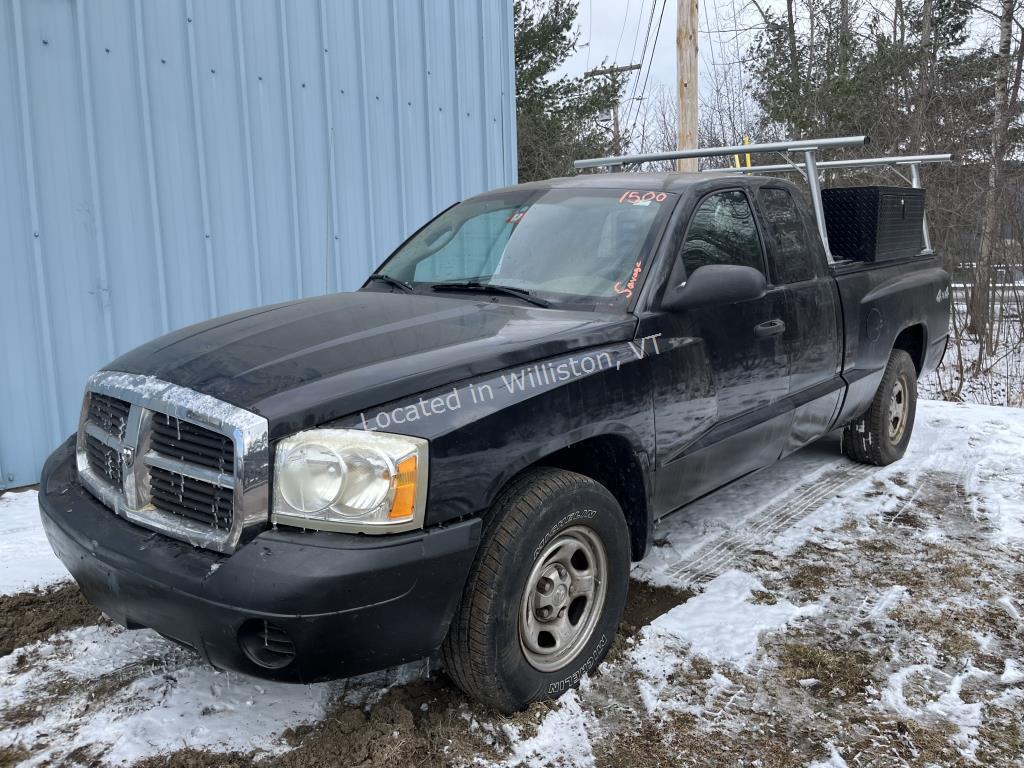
[(12, 756), (811, 579), (841, 672), (198, 758)]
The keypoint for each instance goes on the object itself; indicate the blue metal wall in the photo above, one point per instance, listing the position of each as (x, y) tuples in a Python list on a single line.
[(165, 161)]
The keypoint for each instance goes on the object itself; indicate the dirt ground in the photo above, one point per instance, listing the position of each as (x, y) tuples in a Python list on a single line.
[(906, 646), (816, 687), (31, 616), (427, 723), (891, 603)]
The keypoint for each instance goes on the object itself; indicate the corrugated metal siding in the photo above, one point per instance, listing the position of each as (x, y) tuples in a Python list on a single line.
[(164, 162)]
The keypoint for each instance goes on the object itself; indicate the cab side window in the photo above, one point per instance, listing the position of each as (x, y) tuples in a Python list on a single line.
[(792, 258), (722, 231)]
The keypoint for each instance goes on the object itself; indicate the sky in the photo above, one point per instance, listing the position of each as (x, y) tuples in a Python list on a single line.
[(615, 30)]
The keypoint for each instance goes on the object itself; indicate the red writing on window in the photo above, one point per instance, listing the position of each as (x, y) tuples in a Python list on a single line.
[(627, 289), (515, 217), (632, 197)]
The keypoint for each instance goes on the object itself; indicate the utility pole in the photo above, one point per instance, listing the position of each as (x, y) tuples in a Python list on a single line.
[(686, 74), (615, 107)]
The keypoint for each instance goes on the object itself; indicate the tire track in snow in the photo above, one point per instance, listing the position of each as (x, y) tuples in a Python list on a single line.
[(774, 518), (728, 700), (938, 486)]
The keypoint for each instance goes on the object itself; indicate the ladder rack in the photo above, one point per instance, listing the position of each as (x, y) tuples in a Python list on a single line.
[(809, 168), (804, 145)]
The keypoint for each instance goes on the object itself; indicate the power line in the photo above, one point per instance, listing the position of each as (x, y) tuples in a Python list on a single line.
[(650, 64), (625, 21), (643, 54), (636, 35), (654, 50), (590, 29)]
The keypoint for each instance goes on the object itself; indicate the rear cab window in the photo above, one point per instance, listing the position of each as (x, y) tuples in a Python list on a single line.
[(791, 257)]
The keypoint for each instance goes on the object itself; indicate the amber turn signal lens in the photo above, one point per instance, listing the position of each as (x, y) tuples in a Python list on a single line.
[(405, 490)]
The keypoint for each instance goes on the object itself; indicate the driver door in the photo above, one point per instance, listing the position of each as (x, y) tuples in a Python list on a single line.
[(739, 347)]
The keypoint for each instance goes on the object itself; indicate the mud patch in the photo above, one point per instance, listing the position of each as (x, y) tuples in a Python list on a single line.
[(646, 602), (197, 758), (429, 724), (31, 616), (423, 724)]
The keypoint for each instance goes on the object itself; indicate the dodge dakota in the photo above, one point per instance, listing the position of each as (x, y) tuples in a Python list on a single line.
[(460, 460)]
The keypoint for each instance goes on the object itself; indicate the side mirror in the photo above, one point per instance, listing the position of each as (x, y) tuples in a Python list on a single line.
[(716, 284)]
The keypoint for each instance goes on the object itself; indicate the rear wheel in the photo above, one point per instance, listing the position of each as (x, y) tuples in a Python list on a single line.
[(545, 594), (881, 435)]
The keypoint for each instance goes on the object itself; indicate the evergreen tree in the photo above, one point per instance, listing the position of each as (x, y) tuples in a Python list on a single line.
[(558, 117)]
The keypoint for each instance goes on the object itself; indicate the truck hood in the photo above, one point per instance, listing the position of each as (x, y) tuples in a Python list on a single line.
[(307, 362)]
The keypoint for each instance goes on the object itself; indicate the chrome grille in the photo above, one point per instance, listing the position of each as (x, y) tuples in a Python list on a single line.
[(171, 459), (188, 442), (190, 498), (103, 460), (109, 413)]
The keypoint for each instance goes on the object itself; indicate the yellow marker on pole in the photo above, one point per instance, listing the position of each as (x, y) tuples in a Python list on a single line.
[(746, 141)]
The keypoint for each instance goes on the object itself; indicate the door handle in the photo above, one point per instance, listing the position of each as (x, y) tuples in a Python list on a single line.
[(769, 328)]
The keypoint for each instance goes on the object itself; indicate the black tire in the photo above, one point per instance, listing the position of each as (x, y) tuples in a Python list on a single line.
[(483, 652), (870, 439)]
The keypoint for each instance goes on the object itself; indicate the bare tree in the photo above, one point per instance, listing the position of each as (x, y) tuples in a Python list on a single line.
[(981, 311)]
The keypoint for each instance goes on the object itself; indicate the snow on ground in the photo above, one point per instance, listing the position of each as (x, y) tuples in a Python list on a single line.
[(129, 695), (818, 531), (25, 558), (826, 613), (158, 700), (561, 736), (817, 488), (722, 623)]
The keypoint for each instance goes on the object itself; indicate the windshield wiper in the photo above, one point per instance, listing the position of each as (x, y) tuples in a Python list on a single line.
[(505, 290), (382, 278)]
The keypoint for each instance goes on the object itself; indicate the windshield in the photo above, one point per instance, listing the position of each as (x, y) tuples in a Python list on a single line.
[(570, 245)]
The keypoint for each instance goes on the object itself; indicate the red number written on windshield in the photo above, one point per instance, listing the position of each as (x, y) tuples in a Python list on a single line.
[(632, 197)]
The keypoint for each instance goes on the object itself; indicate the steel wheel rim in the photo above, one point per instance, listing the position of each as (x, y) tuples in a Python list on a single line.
[(898, 407), (563, 598)]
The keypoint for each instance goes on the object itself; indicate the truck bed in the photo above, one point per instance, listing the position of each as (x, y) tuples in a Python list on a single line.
[(880, 301)]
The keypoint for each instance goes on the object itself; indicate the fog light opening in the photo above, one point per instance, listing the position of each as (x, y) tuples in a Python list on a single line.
[(266, 644)]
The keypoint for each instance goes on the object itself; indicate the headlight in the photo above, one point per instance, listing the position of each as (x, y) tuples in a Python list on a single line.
[(350, 480)]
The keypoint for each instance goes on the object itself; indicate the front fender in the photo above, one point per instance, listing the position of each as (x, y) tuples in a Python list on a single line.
[(485, 430)]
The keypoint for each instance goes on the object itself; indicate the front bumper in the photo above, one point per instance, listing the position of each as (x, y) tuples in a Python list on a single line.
[(347, 603)]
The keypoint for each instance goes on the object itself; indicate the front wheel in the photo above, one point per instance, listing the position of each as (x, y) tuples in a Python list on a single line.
[(545, 593), (881, 435)]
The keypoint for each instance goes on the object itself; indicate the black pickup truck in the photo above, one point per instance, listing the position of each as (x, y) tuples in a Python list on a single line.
[(460, 460)]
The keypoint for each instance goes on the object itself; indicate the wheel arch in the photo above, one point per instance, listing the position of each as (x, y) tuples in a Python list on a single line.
[(914, 341), (620, 466)]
